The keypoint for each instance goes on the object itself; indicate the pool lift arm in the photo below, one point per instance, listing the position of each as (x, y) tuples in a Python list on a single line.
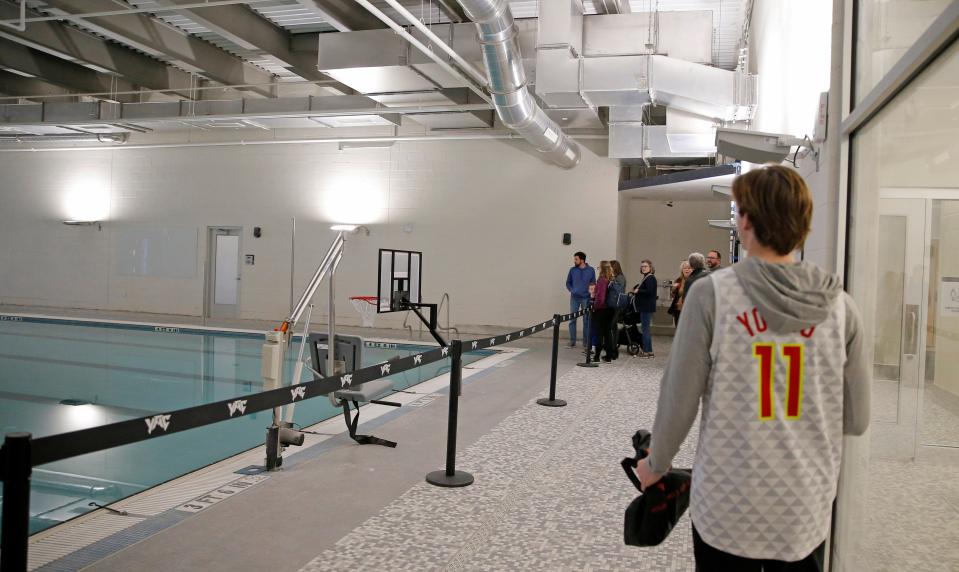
[(280, 433)]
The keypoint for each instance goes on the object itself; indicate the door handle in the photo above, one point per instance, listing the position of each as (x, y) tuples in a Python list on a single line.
[(912, 330)]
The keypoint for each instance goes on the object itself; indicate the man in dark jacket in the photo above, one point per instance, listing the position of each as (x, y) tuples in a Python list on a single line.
[(698, 263), (580, 276)]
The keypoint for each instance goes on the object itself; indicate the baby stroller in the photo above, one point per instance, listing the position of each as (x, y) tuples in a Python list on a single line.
[(628, 334)]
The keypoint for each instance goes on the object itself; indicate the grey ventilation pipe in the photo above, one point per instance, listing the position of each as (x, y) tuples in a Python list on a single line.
[(504, 64)]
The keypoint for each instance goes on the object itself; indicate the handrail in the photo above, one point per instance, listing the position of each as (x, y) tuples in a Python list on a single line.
[(336, 249), (448, 328)]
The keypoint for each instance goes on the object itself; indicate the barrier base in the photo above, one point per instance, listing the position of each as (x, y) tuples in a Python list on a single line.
[(551, 402), (457, 479)]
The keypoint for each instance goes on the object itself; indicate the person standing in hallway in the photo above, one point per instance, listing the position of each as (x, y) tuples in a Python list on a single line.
[(580, 276), (698, 263), (618, 305), (677, 290), (646, 305), (714, 260), (774, 349), (602, 313)]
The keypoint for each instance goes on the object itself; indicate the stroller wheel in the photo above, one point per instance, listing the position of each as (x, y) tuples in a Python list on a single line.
[(633, 349)]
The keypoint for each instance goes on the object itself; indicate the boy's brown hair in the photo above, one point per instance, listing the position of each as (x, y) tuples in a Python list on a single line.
[(779, 206)]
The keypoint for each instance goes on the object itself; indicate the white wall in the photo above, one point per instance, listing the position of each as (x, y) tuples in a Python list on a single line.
[(488, 216), (790, 50), (667, 235)]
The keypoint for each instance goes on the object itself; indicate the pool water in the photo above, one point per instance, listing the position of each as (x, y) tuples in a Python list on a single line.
[(117, 373)]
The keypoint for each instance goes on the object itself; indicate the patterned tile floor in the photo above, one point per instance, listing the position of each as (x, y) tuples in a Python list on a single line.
[(549, 492)]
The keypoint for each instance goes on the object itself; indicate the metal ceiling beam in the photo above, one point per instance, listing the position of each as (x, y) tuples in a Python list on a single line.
[(158, 39), (342, 15), (246, 28), (16, 85), (60, 72), (453, 11), (73, 44), (612, 6)]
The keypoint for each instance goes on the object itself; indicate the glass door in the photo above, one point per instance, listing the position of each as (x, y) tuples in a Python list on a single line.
[(900, 312)]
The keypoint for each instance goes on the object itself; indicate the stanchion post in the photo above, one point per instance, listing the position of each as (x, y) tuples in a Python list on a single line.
[(552, 401), (588, 340), (16, 502), (451, 477)]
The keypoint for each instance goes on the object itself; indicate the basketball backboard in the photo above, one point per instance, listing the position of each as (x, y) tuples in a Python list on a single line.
[(400, 278)]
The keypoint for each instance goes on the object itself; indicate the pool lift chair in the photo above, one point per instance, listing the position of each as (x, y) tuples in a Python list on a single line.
[(281, 433), (347, 358)]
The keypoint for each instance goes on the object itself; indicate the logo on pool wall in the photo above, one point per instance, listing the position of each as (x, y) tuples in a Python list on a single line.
[(238, 405), (161, 421), (298, 392)]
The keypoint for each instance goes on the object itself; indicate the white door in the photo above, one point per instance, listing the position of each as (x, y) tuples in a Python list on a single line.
[(223, 273)]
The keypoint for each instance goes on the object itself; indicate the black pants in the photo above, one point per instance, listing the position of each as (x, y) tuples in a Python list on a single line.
[(604, 318), (709, 559)]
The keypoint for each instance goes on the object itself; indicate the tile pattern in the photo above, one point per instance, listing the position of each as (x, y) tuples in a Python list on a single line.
[(549, 491)]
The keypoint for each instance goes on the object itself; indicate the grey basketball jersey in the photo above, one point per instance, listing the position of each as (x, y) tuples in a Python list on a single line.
[(767, 463)]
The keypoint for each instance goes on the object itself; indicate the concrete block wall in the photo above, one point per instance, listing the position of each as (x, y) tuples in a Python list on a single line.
[(488, 216)]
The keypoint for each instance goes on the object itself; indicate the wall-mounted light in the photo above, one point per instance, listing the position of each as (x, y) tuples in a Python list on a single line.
[(351, 228), (84, 223)]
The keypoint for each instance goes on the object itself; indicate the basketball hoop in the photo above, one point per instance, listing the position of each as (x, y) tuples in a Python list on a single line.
[(366, 307)]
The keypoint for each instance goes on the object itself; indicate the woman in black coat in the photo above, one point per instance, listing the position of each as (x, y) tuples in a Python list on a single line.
[(646, 305)]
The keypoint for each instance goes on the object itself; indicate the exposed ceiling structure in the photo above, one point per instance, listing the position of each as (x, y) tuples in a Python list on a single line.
[(158, 65)]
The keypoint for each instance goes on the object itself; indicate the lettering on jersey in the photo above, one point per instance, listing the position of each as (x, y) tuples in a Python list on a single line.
[(753, 322)]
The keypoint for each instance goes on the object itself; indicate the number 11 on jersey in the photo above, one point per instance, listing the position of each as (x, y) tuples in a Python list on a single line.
[(765, 354)]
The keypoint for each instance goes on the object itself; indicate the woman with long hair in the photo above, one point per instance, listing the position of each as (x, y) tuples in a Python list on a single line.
[(602, 313), (677, 291)]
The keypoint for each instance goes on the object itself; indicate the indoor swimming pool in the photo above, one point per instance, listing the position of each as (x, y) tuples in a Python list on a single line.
[(63, 375)]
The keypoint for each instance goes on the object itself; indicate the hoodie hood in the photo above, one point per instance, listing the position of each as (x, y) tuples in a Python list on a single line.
[(790, 297)]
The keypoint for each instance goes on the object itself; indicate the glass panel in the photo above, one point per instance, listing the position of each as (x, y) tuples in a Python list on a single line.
[(940, 404), (891, 266), (909, 150), (227, 257), (887, 28)]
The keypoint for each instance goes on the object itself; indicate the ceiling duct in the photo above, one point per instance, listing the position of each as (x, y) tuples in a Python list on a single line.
[(511, 97)]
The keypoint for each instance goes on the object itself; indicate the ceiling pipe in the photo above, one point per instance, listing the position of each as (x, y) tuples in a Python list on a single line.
[(472, 136), (401, 31), (504, 64), (467, 67)]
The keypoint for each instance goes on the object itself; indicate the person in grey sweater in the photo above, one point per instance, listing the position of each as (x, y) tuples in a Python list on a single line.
[(698, 263), (774, 351)]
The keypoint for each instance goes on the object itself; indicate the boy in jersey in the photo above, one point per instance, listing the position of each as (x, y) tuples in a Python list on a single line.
[(774, 349)]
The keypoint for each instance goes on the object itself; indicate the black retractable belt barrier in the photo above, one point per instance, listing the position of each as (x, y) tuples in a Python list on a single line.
[(552, 401), (16, 469), (451, 477)]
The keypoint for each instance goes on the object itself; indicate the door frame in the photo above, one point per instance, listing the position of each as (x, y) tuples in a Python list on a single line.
[(927, 195), (210, 270)]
